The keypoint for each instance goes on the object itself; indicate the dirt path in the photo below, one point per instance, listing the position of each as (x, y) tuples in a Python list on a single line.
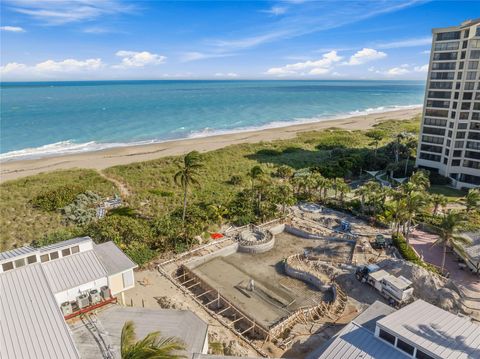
[(122, 187)]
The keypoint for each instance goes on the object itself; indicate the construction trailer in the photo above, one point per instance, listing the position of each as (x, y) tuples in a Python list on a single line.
[(397, 290)]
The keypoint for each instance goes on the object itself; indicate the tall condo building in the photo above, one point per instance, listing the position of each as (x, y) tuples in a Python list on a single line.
[(450, 132)]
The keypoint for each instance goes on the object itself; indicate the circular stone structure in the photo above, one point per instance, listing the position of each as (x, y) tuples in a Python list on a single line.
[(310, 207), (255, 240)]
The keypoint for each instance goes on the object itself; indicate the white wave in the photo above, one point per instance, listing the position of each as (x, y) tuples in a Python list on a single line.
[(207, 132), (70, 147), (63, 148)]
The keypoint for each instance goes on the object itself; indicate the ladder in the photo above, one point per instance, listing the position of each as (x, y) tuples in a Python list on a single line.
[(94, 326)]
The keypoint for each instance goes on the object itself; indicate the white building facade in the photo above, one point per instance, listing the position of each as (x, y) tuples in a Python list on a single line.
[(449, 142)]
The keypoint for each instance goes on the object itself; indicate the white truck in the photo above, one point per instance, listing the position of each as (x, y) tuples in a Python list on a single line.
[(397, 290)]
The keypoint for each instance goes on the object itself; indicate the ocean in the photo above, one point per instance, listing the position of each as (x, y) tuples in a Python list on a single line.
[(41, 119)]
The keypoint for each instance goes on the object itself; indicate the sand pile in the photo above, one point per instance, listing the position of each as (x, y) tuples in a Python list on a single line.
[(427, 285)]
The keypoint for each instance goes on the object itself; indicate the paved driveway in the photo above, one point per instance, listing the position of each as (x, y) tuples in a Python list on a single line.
[(423, 241)]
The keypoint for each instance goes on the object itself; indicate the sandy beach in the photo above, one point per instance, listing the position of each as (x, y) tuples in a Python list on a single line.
[(125, 155)]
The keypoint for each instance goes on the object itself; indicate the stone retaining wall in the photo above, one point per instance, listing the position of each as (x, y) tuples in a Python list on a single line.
[(226, 251)]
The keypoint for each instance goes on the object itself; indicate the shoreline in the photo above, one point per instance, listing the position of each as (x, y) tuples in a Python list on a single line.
[(114, 156)]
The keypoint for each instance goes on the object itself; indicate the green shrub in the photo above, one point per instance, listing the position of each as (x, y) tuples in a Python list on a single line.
[(161, 193), (235, 180), (140, 253), (57, 198), (57, 236)]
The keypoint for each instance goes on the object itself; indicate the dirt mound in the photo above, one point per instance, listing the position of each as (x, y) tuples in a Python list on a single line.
[(427, 285)]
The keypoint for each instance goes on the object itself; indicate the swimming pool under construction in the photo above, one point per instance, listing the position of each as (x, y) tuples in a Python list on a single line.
[(261, 291)]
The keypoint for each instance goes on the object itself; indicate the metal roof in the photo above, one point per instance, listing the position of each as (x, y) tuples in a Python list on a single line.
[(379, 274), (74, 270), (63, 244), (184, 325), (398, 282), (113, 259), (437, 332), (370, 316), (31, 324), (356, 342), (17, 252)]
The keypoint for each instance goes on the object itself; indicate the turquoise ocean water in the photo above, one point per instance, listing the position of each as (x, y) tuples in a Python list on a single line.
[(50, 118)]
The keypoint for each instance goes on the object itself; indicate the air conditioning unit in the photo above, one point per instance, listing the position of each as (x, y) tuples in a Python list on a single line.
[(83, 301), (105, 291), (66, 308), (95, 296)]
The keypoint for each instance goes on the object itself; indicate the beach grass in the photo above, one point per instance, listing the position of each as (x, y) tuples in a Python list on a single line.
[(153, 192)]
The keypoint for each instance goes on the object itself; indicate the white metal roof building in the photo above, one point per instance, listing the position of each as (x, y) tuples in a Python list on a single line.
[(431, 331), (31, 324), (419, 330), (35, 281)]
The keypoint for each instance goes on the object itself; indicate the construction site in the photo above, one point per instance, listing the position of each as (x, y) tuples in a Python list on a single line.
[(286, 287)]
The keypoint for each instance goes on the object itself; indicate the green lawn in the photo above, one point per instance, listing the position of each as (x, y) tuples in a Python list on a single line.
[(452, 193)]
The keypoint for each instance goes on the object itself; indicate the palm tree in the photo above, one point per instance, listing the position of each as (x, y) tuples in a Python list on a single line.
[(438, 200), (472, 200), (255, 173), (153, 346), (217, 212), (420, 180), (284, 196), (414, 202), (363, 192), (448, 235), (187, 175), (343, 188)]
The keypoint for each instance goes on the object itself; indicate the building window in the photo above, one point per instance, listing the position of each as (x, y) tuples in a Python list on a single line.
[(442, 75), (31, 259), (422, 355), (457, 153), (475, 44), (441, 85), (441, 56), (452, 35), (387, 336), (438, 104), (44, 258), (65, 252), (435, 122), (456, 163), (464, 115), (434, 131), (469, 86), (462, 126), (443, 66), (471, 164), (431, 148), (440, 94), (461, 134), (473, 65), (430, 157), (475, 54), (432, 139), (466, 105), (19, 263), (127, 279), (446, 46), (458, 144), (471, 75), (54, 255), (7, 266), (407, 348), (436, 113), (75, 249)]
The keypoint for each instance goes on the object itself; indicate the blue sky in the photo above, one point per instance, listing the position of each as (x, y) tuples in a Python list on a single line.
[(120, 39)]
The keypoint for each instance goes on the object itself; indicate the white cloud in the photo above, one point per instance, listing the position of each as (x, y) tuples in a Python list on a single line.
[(365, 55), (405, 43), (425, 52), (12, 67), (228, 74), (50, 68), (276, 10), (423, 68), (397, 71), (61, 12), (139, 59), (12, 28), (317, 67), (195, 56), (69, 65), (312, 17)]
